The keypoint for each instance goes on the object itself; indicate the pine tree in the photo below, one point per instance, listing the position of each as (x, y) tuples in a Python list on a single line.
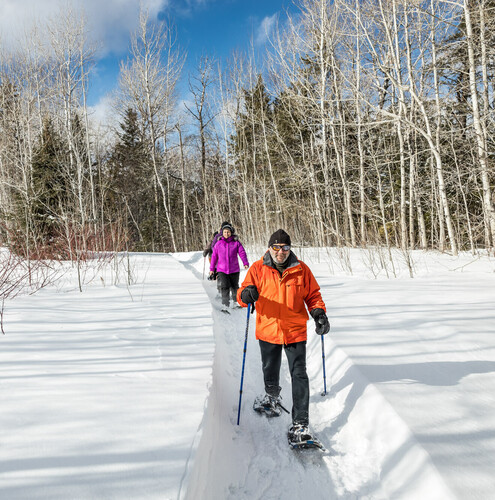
[(130, 183), (251, 126), (49, 183)]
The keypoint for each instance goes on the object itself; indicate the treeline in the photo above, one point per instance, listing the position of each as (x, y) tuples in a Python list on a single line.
[(365, 123)]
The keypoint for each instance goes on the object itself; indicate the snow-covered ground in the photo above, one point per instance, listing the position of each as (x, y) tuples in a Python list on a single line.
[(131, 391)]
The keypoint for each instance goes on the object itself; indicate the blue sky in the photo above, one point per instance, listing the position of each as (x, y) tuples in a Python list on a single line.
[(213, 27)]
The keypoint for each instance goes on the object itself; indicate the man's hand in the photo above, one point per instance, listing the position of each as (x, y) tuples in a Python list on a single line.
[(250, 294), (321, 321)]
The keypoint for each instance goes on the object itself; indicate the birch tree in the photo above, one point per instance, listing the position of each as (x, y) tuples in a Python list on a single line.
[(478, 120), (148, 83)]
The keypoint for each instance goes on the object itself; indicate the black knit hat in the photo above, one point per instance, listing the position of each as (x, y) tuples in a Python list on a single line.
[(227, 225), (279, 237)]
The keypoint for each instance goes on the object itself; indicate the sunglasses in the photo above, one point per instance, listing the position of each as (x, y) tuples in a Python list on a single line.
[(285, 248)]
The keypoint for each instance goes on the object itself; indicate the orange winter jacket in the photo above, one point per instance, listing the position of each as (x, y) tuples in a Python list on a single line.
[(281, 314)]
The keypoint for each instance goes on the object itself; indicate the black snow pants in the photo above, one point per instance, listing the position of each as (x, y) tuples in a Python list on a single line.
[(228, 284), (271, 359)]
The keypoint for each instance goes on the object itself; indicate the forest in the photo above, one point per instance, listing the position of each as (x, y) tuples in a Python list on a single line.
[(365, 123)]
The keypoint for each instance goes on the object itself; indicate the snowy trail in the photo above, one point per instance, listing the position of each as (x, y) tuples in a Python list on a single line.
[(353, 421), (371, 452), (251, 460)]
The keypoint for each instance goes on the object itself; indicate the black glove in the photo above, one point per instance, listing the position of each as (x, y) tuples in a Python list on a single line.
[(250, 294), (321, 320)]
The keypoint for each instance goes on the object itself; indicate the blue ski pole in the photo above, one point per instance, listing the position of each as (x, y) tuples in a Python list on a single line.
[(243, 363), (324, 374)]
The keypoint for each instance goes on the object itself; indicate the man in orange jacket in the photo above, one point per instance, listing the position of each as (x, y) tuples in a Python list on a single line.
[(282, 287)]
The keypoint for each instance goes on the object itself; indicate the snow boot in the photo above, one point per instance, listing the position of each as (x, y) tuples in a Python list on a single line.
[(300, 437), (268, 405)]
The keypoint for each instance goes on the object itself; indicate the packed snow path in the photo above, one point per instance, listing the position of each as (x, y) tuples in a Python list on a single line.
[(132, 391), (373, 456)]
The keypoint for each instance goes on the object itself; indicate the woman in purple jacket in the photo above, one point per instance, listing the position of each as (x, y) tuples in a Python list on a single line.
[(224, 260)]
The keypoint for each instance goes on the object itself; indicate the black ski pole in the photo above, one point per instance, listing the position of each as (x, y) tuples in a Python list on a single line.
[(243, 363), (283, 408), (324, 374)]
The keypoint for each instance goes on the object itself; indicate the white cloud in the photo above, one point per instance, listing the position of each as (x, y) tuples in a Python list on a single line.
[(109, 22), (102, 114), (265, 29)]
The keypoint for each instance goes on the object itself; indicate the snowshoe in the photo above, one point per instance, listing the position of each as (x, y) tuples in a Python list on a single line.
[(300, 438), (268, 405), (225, 310)]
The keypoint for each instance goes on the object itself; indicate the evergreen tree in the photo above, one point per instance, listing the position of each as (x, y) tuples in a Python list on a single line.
[(49, 182), (252, 125), (130, 184)]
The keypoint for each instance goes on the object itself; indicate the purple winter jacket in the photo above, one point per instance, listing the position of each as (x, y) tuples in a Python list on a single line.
[(224, 256)]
